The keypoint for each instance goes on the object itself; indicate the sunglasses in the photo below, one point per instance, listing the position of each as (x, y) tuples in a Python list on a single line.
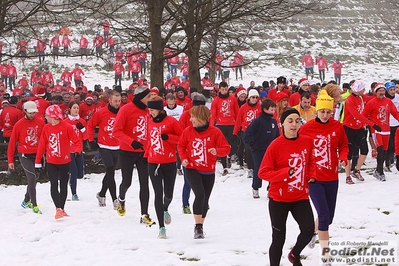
[(255, 97)]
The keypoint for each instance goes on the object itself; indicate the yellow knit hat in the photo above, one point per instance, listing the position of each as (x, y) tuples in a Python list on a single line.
[(324, 101)]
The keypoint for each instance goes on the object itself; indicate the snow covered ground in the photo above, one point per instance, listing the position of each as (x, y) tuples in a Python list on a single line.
[(237, 228)]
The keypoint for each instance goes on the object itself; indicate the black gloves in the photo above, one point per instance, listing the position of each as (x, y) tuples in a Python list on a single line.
[(137, 145), (93, 145), (397, 162), (79, 126), (164, 136), (377, 128), (254, 148)]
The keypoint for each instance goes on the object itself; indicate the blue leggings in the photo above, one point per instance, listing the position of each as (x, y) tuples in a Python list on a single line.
[(324, 198)]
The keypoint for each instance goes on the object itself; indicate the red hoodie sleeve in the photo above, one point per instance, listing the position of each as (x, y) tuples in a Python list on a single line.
[(267, 169), (237, 125), (91, 125), (222, 146), (41, 148)]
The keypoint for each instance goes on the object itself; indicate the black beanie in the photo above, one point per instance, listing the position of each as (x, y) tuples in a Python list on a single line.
[(157, 105), (287, 112), (142, 94), (198, 102)]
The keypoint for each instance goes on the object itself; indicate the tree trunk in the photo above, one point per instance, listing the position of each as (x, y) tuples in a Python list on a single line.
[(155, 9)]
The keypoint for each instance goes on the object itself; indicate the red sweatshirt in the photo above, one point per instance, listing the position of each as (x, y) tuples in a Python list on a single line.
[(8, 118), (330, 147), (27, 134), (87, 111), (194, 147), (185, 119), (56, 141), (131, 124), (105, 120), (161, 151), (187, 103), (224, 111), (246, 114), (353, 109), (378, 111), (282, 155), (81, 133)]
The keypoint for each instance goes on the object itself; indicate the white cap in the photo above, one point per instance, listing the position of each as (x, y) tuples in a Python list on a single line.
[(253, 92), (30, 107)]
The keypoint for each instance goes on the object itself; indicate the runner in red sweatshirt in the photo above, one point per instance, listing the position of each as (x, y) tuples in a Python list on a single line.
[(131, 130), (198, 147), (378, 110), (76, 166), (246, 114), (289, 165), (331, 150), (107, 144), (224, 111), (55, 142), (26, 133), (354, 125), (163, 134)]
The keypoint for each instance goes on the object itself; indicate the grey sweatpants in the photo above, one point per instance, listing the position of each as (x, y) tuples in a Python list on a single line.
[(28, 164)]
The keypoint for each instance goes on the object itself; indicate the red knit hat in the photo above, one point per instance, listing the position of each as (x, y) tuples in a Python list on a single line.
[(241, 91), (89, 97), (280, 96), (54, 111), (303, 81)]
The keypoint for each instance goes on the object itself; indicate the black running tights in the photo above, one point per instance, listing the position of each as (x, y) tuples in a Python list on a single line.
[(59, 172), (303, 215)]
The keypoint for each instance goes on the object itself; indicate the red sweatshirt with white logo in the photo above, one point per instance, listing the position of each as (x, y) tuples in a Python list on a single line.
[(246, 114), (131, 124), (282, 155), (353, 109), (330, 147), (194, 147), (55, 142), (105, 120), (379, 111), (224, 111), (161, 151), (27, 134)]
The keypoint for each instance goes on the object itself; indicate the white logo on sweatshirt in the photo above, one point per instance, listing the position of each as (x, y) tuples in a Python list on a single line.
[(156, 141), (297, 162), (54, 144), (110, 126), (225, 109), (31, 136), (323, 151), (198, 153), (141, 128)]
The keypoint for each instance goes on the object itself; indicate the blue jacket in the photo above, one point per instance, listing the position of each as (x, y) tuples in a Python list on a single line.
[(261, 132)]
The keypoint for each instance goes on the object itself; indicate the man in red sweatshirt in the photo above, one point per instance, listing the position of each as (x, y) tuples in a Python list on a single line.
[(26, 133), (224, 111), (131, 130), (379, 110), (107, 144)]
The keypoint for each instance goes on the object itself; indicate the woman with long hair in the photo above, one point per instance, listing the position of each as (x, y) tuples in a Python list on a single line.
[(76, 166)]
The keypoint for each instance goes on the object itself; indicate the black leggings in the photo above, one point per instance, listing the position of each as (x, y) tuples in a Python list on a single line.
[(202, 185), (228, 133), (163, 178), (110, 159), (59, 172), (128, 160), (303, 215)]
